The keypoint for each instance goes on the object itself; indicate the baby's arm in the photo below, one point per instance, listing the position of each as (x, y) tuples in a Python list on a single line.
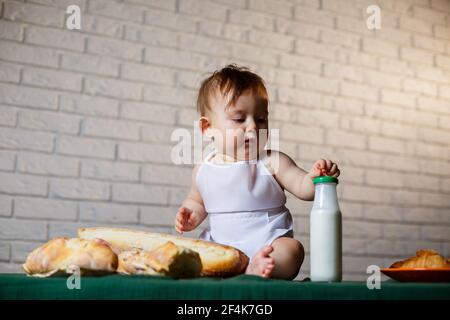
[(192, 211), (296, 180)]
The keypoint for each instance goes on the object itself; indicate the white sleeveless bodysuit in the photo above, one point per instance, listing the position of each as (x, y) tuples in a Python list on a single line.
[(245, 204)]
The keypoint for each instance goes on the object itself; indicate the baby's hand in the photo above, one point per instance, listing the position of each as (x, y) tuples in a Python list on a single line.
[(185, 220), (324, 167)]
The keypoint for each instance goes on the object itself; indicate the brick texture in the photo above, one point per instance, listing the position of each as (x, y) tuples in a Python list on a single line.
[(86, 115)]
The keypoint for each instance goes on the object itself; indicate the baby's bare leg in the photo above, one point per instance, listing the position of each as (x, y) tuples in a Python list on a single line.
[(288, 255)]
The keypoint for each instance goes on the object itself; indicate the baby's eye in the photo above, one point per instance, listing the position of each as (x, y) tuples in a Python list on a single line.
[(262, 120), (239, 120)]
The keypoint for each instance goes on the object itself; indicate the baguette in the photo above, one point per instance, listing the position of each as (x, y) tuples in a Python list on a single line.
[(166, 260), (64, 256), (217, 260)]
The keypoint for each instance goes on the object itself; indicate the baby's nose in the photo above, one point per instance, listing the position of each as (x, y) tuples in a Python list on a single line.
[(250, 132), (251, 126), (250, 136)]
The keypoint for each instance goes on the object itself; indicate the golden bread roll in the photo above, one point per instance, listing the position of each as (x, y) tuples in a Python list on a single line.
[(217, 260), (423, 259), (167, 259), (63, 255)]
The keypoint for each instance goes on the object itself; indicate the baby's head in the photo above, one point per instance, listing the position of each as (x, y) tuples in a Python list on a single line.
[(233, 104)]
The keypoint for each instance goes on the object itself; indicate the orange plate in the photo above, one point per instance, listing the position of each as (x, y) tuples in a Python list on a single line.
[(418, 274)]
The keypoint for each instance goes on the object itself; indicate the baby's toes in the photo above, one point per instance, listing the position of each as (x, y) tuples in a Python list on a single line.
[(267, 272), (267, 265), (267, 261), (266, 251), (270, 266)]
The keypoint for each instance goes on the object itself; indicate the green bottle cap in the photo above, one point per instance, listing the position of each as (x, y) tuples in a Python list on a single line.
[(325, 179)]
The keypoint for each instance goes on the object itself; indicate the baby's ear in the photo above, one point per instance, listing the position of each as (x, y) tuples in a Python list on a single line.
[(204, 124)]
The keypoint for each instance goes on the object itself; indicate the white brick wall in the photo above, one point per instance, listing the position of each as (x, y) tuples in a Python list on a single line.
[(86, 116)]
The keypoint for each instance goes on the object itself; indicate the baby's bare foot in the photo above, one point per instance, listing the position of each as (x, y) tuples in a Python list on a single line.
[(261, 264)]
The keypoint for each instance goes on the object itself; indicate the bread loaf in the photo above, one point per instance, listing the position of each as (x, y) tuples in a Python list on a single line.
[(217, 260), (165, 260), (63, 255)]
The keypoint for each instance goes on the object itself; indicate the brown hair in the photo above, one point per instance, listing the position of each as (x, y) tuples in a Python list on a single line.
[(231, 78)]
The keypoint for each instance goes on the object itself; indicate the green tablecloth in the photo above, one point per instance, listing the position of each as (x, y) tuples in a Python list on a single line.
[(19, 286)]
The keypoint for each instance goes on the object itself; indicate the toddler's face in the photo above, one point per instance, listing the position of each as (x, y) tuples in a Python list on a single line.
[(240, 130)]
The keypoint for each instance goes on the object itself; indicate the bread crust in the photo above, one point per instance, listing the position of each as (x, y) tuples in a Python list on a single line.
[(165, 260), (64, 255), (217, 260)]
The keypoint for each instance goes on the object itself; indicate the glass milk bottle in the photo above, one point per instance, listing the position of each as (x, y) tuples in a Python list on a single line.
[(326, 232)]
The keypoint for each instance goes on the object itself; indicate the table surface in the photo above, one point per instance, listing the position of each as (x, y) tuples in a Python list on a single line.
[(19, 286)]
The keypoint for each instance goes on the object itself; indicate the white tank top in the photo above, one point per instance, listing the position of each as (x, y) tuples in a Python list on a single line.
[(245, 204)]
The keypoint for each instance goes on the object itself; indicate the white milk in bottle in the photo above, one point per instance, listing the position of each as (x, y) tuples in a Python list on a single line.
[(326, 232)]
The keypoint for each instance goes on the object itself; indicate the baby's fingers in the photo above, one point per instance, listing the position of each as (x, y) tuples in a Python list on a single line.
[(328, 165), (179, 217), (333, 169), (182, 215), (179, 227), (185, 212), (318, 168), (338, 172), (320, 164)]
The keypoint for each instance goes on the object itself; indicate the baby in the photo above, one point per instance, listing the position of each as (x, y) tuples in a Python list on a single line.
[(240, 185)]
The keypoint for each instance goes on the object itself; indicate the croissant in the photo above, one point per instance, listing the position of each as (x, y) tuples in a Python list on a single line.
[(424, 259), (167, 259)]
